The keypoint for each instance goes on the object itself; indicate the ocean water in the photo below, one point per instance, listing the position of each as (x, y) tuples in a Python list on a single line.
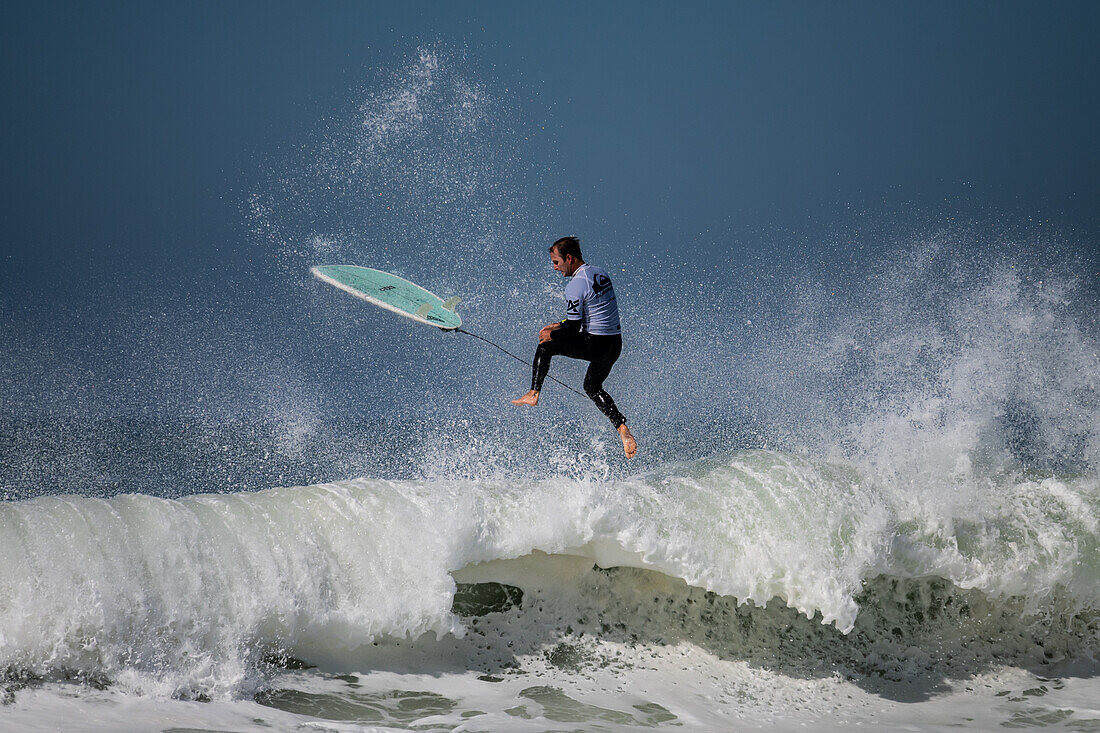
[(865, 496)]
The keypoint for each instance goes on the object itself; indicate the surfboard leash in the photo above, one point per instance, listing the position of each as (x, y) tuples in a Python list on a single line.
[(518, 358)]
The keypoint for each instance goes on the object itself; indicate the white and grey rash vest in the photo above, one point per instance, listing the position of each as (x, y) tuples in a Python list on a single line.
[(590, 299)]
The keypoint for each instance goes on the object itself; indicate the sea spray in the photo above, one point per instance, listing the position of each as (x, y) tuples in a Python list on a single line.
[(935, 364)]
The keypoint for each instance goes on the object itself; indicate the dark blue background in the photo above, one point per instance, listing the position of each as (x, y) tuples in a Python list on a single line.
[(132, 129)]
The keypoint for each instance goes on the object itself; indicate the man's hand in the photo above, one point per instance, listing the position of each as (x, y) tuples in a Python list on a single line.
[(544, 334)]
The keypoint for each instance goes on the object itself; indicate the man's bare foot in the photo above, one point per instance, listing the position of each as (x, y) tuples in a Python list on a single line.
[(630, 446), (531, 398)]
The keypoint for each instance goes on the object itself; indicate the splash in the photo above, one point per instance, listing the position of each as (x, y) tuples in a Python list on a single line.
[(429, 160), (943, 362)]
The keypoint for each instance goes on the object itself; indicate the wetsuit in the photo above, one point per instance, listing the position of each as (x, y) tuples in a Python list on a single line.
[(591, 332)]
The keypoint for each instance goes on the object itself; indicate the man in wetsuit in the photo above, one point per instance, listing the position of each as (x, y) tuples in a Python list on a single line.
[(590, 331)]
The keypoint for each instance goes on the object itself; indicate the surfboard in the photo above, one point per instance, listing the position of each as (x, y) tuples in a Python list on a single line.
[(392, 293)]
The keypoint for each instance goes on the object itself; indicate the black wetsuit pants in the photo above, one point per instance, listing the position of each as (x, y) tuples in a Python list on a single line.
[(602, 351)]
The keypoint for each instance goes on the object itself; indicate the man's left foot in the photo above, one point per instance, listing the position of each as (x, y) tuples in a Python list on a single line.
[(630, 446), (531, 398)]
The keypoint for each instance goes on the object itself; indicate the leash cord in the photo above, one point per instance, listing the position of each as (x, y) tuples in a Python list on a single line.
[(518, 358)]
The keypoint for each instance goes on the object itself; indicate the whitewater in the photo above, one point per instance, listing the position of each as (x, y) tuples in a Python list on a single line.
[(756, 559)]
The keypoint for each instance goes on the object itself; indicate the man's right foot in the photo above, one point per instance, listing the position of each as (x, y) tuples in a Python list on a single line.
[(630, 446), (531, 398)]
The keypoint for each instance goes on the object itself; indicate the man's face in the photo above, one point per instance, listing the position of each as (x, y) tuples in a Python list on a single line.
[(566, 266)]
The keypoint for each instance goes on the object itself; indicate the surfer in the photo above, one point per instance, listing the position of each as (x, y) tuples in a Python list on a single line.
[(589, 331)]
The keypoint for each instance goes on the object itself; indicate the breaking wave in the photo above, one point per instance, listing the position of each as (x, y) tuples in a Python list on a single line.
[(189, 596)]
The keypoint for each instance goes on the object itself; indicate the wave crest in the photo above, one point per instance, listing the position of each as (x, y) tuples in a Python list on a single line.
[(189, 595)]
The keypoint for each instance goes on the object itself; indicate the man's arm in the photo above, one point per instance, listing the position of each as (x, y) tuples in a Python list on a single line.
[(567, 327), (564, 327)]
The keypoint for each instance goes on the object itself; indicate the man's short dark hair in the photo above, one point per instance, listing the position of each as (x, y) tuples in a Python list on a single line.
[(567, 246)]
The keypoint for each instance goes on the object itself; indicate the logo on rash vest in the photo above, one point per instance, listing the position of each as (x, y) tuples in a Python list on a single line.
[(572, 306), (600, 283)]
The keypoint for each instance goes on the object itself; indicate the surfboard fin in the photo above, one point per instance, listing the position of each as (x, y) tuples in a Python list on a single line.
[(451, 302), (424, 310)]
